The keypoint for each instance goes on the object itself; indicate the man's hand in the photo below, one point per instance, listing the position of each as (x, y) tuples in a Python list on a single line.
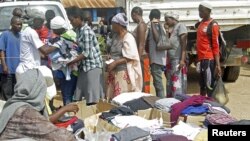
[(218, 71), (5, 69)]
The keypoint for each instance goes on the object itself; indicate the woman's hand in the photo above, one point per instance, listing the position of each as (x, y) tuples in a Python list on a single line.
[(71, 108), (111, 66), (181, 65)]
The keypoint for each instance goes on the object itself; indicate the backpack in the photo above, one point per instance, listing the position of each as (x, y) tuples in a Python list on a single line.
[(222, 43)]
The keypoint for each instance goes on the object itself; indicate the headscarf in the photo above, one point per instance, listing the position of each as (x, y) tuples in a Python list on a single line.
[(119, 19), (32, 14), (173, 14), (57, 23), (207, 5), (30, 89)]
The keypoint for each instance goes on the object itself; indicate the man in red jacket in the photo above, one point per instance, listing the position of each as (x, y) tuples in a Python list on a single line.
[(208, 50)]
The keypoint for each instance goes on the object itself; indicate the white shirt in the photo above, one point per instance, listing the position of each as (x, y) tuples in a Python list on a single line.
[(29, 53)]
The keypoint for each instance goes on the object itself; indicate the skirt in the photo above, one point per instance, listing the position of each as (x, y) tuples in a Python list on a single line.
[(176, 79), (90, 86), (117, 82)]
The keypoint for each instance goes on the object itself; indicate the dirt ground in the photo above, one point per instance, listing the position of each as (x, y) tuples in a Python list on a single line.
[(239, 94)]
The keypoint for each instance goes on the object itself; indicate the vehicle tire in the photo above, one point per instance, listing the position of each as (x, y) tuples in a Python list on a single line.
[(231, 74)]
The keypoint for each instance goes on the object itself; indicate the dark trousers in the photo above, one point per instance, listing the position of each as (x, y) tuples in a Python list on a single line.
[(156, 72), (207, 77), (67, 87), (8, 82)]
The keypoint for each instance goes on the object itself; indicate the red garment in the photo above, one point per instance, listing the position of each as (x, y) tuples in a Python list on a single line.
[(67, 123), (43, 33), (177, 108), (204, 49), (146, 76)]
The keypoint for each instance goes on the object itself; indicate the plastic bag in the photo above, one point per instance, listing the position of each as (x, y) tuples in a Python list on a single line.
[(219, 93)]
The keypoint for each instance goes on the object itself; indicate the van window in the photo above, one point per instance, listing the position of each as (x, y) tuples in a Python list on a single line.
[(6, 13)]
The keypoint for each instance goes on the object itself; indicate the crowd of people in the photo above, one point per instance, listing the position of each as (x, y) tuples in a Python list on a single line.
[(74, 56)]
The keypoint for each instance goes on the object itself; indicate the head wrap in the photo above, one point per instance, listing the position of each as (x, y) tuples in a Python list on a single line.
[(119, 19), (207, 5), (173, 14), (57, 23), (34, 13)]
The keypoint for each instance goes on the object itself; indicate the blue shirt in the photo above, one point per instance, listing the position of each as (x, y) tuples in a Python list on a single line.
[(11, 45)]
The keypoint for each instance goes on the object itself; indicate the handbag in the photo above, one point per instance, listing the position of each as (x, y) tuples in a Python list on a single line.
[(164, 42)]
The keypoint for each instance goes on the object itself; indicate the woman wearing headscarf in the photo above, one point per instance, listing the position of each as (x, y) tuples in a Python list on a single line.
[(24, 115), (125, 74), (176, 62)]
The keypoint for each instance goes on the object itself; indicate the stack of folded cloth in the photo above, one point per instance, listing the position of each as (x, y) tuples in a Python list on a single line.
[(116, 111), (166, 103), (132, 133)]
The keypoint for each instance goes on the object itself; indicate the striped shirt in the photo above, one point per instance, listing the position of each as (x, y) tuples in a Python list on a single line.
[(87, 41)]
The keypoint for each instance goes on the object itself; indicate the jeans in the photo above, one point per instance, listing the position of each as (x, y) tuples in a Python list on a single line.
[(156, 72), (67, 87)]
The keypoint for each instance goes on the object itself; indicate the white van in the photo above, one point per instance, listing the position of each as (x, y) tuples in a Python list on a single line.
[(6, 9)]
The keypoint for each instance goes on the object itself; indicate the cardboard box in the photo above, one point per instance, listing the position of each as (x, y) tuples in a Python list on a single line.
[(95, 124), (154, 113), (87, 111)]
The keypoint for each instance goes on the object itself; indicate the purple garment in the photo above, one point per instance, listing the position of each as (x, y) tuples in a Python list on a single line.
[(220, 119), (178, 107), (172, 138)]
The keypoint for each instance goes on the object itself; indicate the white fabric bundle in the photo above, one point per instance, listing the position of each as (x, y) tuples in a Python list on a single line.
[(51, 87), (127, 121), (125, 97)]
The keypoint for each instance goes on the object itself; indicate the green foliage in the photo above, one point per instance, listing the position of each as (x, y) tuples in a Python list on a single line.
[(102, 44)]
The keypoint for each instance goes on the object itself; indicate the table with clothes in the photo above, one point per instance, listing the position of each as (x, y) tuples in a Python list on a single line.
[(125, 116)]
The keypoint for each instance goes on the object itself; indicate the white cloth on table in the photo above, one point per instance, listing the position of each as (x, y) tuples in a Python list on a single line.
[(125, 97), (133, 120), (186, 130)]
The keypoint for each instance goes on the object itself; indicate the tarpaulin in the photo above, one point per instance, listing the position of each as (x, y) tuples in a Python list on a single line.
[(89, 3)]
